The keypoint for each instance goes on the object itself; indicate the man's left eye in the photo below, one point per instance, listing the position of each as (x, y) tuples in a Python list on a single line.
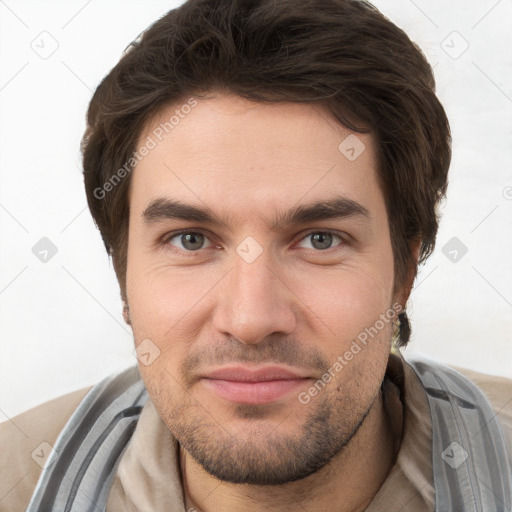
[(322, 240)]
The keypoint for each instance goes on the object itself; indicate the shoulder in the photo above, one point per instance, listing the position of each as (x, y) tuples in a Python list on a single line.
[(25, 443), (498, 391)]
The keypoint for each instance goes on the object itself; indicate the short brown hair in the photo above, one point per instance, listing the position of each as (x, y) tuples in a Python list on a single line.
[(341, 54)]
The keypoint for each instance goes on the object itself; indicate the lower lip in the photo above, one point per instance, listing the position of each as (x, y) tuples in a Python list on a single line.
[(253, 392)]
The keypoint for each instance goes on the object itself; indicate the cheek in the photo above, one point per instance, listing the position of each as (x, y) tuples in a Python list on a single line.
[(161, 297), (347, 299), (358, 346), (170, 308), (348, 305)]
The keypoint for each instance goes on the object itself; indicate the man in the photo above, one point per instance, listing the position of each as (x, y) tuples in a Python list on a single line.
[(265, 176)]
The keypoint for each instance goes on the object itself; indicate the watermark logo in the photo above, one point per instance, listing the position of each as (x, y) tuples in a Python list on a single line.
[(249, 249), (352, 147), (454, 45), (41, 454), (146, 352), (44, 250), (454, 249), (44, 45), (454, 455)]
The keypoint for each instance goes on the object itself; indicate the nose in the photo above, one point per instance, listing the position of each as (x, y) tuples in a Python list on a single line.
[(255, 301)]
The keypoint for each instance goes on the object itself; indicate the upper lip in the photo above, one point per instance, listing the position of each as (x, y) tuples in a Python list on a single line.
[(260, 374)]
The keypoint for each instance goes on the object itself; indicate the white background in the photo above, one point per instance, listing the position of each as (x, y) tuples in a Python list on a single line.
[(61, 323)]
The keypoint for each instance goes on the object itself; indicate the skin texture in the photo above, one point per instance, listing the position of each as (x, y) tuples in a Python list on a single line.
[(295, 305)]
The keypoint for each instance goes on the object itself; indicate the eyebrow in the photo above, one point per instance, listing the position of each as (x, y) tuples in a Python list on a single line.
[(162, 209)]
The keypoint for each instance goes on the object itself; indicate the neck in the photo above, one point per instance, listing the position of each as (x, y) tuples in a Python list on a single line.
[(347, 483)]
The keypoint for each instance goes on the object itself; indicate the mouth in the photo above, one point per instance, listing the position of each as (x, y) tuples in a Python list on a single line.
[(254, 386)]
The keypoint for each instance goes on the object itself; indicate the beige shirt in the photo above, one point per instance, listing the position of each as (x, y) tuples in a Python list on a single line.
[(148, 478)]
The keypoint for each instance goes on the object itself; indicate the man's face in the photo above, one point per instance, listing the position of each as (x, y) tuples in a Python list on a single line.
[(260, 290)]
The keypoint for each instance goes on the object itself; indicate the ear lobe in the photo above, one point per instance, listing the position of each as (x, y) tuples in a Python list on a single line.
[(126, 314), (415, 246)]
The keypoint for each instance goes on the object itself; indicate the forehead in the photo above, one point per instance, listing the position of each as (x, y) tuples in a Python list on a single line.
[(226, 151)]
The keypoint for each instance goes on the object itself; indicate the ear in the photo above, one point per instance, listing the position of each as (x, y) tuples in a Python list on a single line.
[(403, 294), (126, 313)]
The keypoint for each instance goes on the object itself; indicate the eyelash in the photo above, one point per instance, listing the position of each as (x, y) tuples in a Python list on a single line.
[(169, 236)]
